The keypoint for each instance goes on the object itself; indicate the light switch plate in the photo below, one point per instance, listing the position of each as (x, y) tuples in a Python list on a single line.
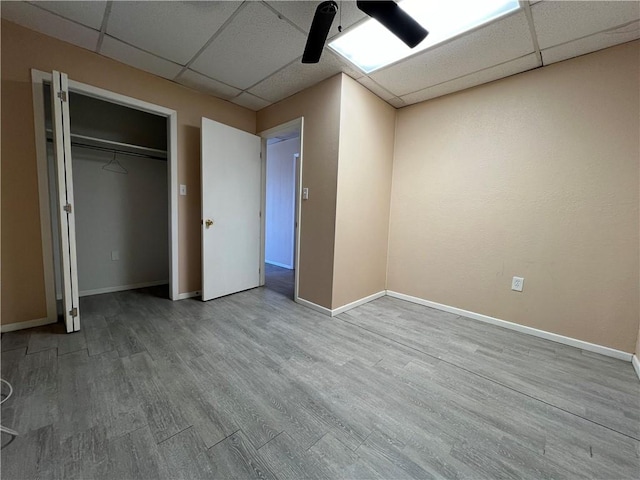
[(183, 189), (305, 194), (115, 255)]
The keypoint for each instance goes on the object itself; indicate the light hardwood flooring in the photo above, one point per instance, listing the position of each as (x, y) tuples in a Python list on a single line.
[(255, 386)]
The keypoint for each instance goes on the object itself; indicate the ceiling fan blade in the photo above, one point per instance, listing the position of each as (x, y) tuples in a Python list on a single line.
[(395, 19), (319, 31)]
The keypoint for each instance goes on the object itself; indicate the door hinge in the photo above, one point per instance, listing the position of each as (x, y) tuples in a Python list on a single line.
[(73, 312), (260, 214), (67, 208), (62, 95), (260, 154)]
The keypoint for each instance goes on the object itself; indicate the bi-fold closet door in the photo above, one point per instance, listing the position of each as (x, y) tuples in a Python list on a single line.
[(64, 181)]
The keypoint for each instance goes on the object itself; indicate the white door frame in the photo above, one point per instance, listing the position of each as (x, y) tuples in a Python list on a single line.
[(297, 124), (38, 78)]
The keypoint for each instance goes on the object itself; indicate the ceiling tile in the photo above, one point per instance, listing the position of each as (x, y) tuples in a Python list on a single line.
[(591, 43), (495, 43), (485, 76), (298, 76), (87, 13), (301, 13), (273, 44), (137, 58), (42, 21), (251, 102), (172, 30), (397, 102), (205, 84), (559, 22), (375, 88)]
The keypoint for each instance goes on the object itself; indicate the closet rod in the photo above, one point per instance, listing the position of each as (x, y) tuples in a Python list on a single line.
[(112, 150)]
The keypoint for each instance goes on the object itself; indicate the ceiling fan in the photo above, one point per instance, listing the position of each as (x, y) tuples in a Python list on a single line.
[(388, 13)]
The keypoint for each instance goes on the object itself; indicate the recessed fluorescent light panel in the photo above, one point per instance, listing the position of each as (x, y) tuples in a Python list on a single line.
[(370, 46)]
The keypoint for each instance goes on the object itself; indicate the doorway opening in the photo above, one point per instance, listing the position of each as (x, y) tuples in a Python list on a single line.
[(282, 172), (120, 184), (119, 154)]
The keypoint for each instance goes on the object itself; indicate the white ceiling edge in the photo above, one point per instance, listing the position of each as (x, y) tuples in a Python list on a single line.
[(591, 44), (512, 67), (247, 100), (47, 23)]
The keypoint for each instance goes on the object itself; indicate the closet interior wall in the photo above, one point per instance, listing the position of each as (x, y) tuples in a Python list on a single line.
[(120, 181)]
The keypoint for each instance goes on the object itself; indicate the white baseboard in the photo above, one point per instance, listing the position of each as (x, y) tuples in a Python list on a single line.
[(281, 265), (357, 303), (38, 322), (636, 365), (344, 308), (554, 337), (314, 306), (184, 296), (121, 288)]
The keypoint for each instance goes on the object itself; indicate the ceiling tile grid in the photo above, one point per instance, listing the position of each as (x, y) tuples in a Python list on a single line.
[(249, 52), (251, 102), (558, 22), (172, 30), (490, 74), (205, 84), (42, 21), (591, 43), (89, 14), (301, 14), (297, 76), (124, 53), (256, 44), (484, 47)]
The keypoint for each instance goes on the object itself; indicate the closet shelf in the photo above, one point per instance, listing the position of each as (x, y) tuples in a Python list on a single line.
[(113, 146)]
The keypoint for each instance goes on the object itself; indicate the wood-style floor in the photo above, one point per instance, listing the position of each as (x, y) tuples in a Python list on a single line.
[(255, 386)]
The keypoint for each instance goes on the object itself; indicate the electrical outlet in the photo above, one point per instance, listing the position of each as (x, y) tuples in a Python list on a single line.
[(517, 284), (115, 255)]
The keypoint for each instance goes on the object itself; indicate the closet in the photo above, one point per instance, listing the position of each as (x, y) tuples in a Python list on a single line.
[(120, 187)]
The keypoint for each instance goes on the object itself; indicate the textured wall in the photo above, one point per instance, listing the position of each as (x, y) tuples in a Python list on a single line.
[(367, 127), (23, 295), (535, 175), (320, 107)]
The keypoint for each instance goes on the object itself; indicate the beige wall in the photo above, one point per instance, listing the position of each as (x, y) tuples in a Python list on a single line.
[(23, 296), (367, 128), (320, 107), (535, 175)]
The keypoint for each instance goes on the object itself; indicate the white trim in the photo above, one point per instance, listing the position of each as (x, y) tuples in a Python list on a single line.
[(121, 288), (278, 264), (297, 123), (314, 306), (38, 322), (357, 303), (184, 296), (37, 85), (636, 365), (554, 337), (344, 308)]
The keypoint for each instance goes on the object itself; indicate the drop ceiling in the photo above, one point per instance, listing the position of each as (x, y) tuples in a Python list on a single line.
[(249, 52)]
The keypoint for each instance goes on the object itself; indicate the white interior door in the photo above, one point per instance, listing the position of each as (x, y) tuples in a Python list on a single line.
[(231, 191), (64, 182)]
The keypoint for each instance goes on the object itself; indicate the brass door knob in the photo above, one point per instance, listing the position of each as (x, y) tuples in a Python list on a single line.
[(208, 222)]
